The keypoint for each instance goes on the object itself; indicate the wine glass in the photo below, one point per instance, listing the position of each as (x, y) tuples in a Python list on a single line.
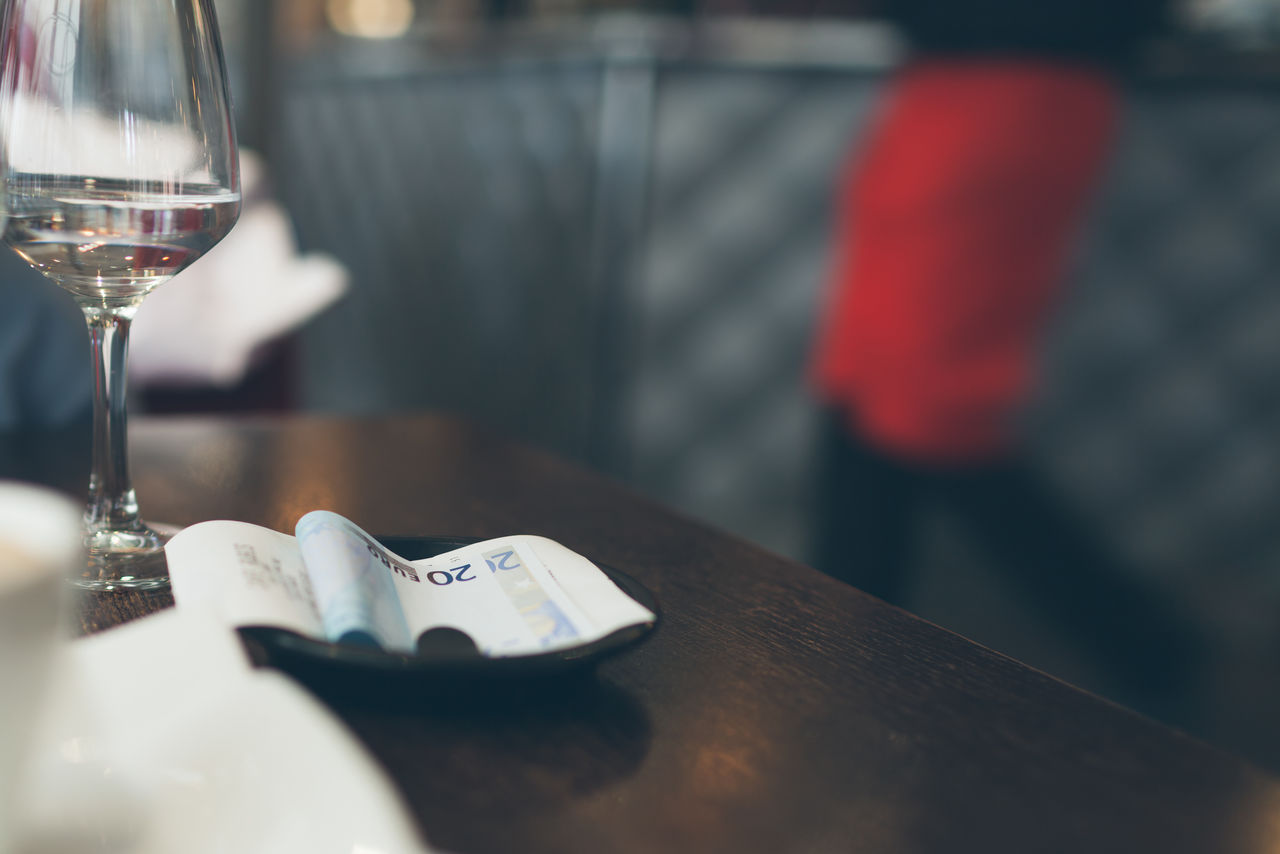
[(120, 169)]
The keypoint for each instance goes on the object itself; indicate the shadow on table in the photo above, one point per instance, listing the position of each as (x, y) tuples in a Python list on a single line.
[(477, 767)]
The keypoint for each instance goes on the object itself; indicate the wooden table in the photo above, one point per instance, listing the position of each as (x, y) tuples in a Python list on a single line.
[(775, 710)]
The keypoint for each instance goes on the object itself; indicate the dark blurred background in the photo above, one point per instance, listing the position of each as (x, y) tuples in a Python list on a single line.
[(602, 227)]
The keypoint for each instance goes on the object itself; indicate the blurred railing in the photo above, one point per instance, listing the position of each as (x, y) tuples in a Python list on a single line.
[(609, 245)]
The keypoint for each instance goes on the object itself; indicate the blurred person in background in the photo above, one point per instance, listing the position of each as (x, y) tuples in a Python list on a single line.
[(45, 377), (46, 385), (957, 216)]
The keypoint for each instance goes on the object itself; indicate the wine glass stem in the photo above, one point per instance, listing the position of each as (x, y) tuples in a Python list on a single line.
[(112, 503)]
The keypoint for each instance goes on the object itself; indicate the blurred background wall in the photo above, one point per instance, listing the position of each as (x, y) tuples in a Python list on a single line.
[(604, 230)]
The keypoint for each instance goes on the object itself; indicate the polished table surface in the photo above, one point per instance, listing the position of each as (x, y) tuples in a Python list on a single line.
[(774, 710)]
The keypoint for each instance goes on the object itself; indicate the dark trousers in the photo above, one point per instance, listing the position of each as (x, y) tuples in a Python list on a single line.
[(870, 505)]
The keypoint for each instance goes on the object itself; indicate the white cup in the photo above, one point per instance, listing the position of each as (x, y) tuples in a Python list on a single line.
[(40, 545)]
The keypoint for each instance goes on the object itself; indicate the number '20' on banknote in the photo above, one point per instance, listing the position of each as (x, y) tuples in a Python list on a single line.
[(331, 580)]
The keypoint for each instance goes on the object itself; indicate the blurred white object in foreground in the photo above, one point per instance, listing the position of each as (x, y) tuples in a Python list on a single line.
[(41, 545), (204, 327), (161, 738)]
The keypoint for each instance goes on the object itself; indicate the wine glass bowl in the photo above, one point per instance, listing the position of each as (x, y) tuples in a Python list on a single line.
[(120, 170), (87, 234)]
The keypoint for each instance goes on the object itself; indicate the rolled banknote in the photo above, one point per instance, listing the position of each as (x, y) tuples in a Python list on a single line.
[(350, 575)]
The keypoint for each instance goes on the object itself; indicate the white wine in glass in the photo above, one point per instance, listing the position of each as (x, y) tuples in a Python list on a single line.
[(120, 170)]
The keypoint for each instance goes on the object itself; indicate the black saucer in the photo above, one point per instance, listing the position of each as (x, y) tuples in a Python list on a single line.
[(444, 655)]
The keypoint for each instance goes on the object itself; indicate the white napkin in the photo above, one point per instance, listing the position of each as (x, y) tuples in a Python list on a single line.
[(204, 327), (161, 738)]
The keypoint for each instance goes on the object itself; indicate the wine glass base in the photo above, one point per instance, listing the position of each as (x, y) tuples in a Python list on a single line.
[(126, 560)]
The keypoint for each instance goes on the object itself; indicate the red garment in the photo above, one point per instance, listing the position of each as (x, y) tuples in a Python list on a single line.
[(956, 221)]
